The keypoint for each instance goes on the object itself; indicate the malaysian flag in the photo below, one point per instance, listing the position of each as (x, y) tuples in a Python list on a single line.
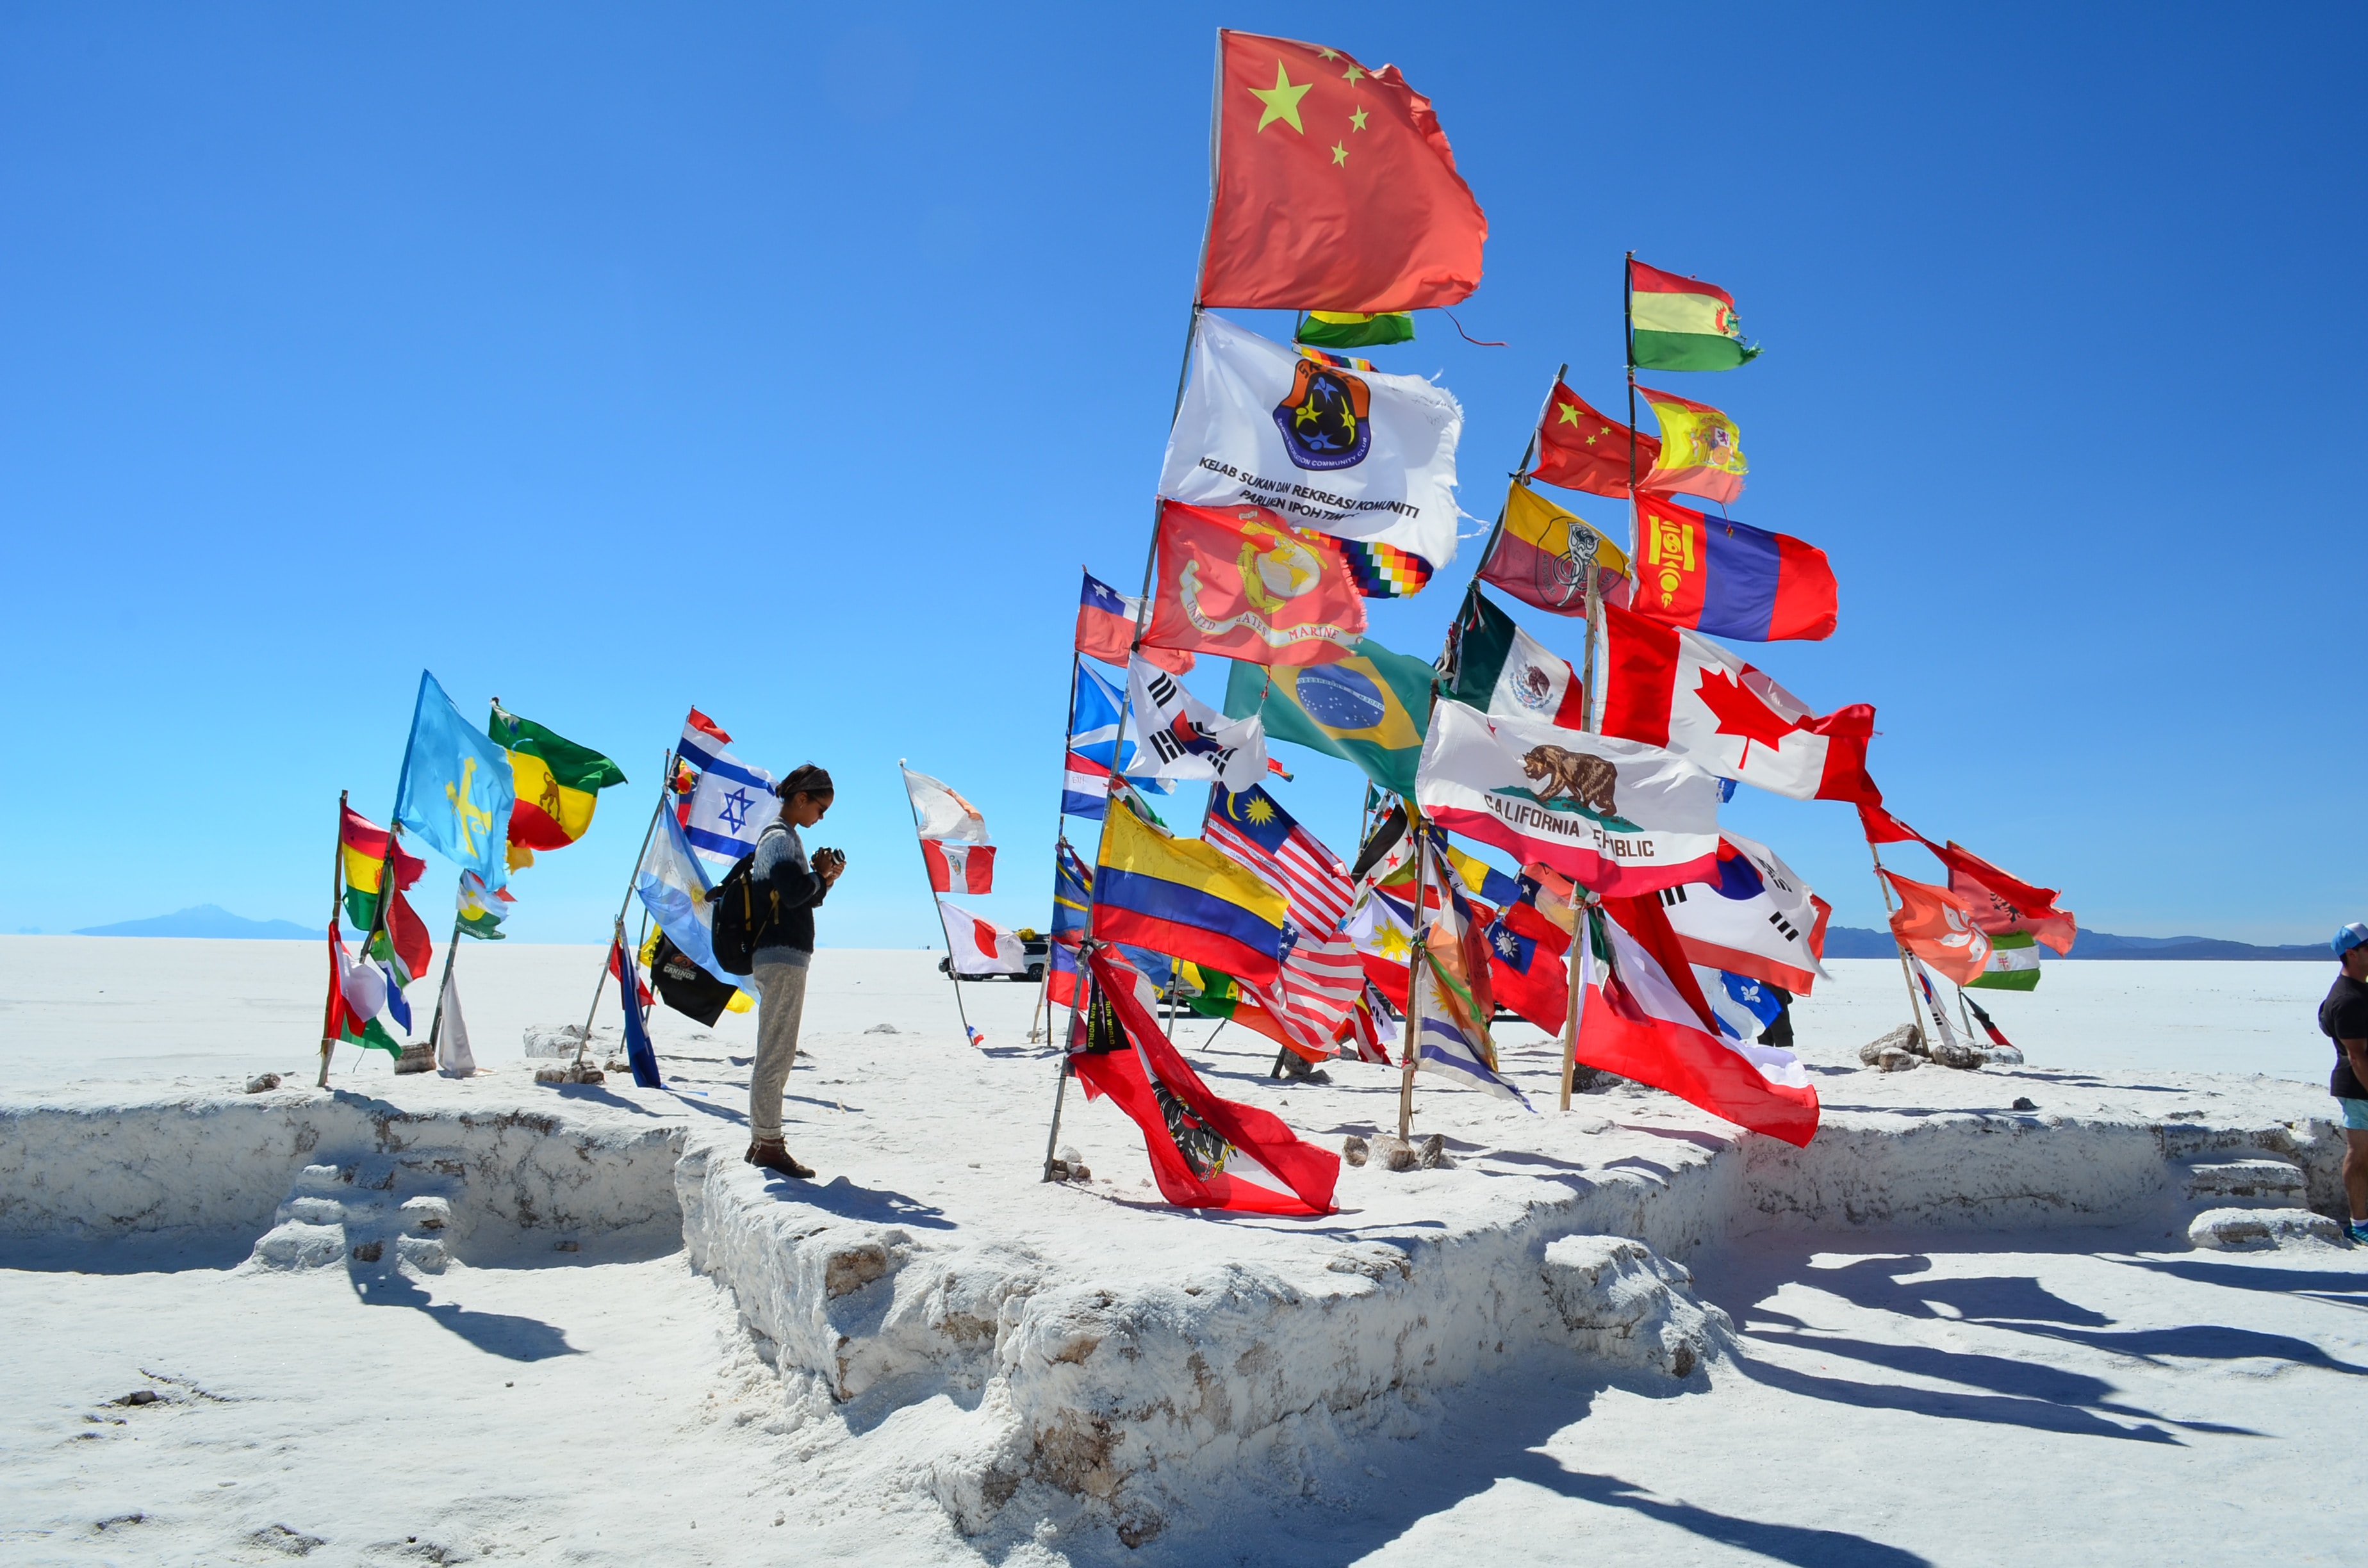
[(1321, 977)]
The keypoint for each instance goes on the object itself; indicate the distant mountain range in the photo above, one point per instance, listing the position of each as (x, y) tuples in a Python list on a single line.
[(207, 920), (1856, 942)]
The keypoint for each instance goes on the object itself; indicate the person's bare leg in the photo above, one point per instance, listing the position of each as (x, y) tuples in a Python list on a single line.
[(2355, 1173)]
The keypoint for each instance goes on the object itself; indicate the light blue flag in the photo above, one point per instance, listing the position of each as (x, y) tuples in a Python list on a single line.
[(456, 790), (674, 889)]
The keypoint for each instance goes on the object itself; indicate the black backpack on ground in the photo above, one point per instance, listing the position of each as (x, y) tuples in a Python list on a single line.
[(743, 915)]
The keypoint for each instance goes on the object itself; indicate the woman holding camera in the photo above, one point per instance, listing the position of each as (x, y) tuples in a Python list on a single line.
[(795, 886)]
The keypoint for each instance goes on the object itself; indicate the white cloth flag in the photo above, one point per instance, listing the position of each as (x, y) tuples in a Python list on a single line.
[(1185, 738), (1348, 452), (1753, 916), (452, 1057), (733, 803), (980, 947), (940, 812)]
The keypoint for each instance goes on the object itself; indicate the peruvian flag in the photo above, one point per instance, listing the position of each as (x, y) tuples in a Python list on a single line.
[(1644, 1018), (1669, 686), (1206, 1152), (959, 867), (980, 947), (1938, 928)]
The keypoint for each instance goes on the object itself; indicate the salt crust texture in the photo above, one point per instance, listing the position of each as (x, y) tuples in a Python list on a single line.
[(1096, 1355)]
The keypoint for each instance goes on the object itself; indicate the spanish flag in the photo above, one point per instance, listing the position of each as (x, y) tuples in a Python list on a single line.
[(1184, 898), (557, 783)]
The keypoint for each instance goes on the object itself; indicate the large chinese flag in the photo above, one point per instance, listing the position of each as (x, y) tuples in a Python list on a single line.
[(1331, 186), (1581, 449)]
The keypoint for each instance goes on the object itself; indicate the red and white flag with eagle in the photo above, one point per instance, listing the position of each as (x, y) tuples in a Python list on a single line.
[(1669, 686)]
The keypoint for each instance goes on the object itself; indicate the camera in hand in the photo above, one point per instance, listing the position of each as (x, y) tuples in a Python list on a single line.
[(826, 858)]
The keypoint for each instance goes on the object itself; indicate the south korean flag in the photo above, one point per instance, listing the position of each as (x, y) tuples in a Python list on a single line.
[(1184, 738)]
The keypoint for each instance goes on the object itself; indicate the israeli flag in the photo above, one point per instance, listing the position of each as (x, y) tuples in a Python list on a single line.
[(733, 804), (456, 790)]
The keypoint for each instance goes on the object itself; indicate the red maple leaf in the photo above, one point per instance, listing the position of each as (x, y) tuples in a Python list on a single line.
[(1742, 713)]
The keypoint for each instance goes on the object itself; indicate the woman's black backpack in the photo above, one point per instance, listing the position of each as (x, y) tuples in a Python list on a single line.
[(743, 914)]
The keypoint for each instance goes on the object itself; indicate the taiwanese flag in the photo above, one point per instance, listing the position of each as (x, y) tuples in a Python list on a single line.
[(1331, 187), (1728, 579), (1206, 1152), (959, 867), (1581, 449), (1526, 968)]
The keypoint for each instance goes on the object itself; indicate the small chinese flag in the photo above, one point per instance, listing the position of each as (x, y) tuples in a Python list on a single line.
[(1332, 189), (1581, 449)]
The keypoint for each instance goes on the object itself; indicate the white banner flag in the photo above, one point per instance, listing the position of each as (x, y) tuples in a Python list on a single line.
[(1348, 452), (1183, 737), (940, 812)]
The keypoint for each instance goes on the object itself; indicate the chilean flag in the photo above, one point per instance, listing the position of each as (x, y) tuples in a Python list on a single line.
[(1106, 627), (1644, 1018), (1727, 578), (959, 867)]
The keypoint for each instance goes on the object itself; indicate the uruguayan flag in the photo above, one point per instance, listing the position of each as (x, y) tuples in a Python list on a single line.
[(731, 806)]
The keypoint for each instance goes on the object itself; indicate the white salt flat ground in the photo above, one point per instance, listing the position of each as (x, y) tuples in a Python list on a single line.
[(2041, 1398)]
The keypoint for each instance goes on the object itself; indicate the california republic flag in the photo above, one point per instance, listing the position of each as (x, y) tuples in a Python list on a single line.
[(1669, 686), (1330, 443), (1610, 814)]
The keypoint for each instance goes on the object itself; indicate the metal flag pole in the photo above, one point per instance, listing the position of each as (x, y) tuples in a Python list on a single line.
[(336, 913), (666, 786), (944, 930), (1628, 337), (1060, 837)]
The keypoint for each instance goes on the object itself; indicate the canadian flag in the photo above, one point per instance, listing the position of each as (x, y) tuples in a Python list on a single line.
[(1939, 928), (1645, 1019), (980, 947), (959, 867), (1669, 686)]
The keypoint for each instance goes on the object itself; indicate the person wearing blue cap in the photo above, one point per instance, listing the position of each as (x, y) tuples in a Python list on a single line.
[(2343, 1018)]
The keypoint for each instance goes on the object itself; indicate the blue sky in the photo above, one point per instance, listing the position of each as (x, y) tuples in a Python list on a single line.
[(612, 359)]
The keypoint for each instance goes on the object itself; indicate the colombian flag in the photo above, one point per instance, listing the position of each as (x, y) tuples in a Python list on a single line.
[(556, 781), (1727, 579), (1184, 898)]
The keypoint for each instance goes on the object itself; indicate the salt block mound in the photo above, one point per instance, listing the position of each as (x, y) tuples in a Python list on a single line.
[(1624, 1302), (2259, 1230)]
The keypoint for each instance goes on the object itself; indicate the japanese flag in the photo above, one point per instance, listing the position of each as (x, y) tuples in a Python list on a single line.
[(980, 947), (959, 867)]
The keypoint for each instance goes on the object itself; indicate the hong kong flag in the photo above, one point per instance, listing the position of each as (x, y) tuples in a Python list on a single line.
[(959, 867), (1332, 186)]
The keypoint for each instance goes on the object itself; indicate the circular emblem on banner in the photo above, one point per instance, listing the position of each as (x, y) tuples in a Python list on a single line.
[(1341, 698), (1326, 418), (1534, 689)]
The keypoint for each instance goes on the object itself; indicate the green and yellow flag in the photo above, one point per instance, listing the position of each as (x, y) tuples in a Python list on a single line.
[(557, 784), (1354, 329), (1370, 708)]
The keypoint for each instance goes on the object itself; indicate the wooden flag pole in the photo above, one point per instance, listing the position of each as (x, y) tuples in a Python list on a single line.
[(1060, 837), (1421, 830), (1579, 932), (337, 914), (952, 973), (1628, 337), (451, 948), (1914, 1006), (665, 787)]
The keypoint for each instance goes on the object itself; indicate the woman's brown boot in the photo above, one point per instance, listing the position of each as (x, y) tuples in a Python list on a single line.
[(772, 1154)]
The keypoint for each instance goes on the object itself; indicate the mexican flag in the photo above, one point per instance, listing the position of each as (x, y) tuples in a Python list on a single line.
[(2013, 966), (1508, 674)]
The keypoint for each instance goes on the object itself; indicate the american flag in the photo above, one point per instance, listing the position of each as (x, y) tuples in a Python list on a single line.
[(1321, 977)]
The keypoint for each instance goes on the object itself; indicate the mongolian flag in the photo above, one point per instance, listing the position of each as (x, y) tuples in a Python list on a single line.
[(556, 783), (1331, 186), (1938, 928), (1682, 324), (1701, 451), (1667, 687), (1242, 582), (1542, 554), (1581, 449), (1727, 579), (1206, 1152), (1184, 898), (1370, 708)]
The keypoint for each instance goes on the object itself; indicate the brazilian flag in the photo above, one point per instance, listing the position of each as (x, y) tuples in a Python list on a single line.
[(1370, 708)]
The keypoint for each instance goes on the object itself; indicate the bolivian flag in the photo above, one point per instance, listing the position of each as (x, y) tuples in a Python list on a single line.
[(363, 845), (1682, 324), (557, 783)]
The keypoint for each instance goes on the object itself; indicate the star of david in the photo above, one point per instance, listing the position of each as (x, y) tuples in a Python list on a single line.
[(735, 809)]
